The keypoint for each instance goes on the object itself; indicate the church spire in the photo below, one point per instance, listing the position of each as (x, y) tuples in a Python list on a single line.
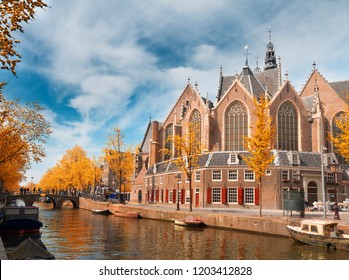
[(270, 58)]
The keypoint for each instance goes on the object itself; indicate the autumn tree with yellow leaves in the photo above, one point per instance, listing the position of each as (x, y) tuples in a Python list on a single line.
[(260, 144), (23, 130), (23, 134), (185, 153), (74, 171), (340, 135), (120, 160), (13, 14)]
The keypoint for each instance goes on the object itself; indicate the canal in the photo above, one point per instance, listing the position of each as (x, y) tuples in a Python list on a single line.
[(76, 234)]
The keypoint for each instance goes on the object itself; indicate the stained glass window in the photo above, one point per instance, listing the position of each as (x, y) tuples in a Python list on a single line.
[(236, 126), (287, 127)]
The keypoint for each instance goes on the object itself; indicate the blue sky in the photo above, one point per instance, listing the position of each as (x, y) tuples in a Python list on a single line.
[(95, 65)]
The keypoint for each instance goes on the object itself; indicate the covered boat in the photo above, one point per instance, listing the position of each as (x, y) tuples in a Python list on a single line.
[(320, 233), (20, 220)]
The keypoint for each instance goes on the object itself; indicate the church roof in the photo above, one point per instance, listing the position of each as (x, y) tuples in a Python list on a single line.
[(254, 82), (342, 88), (147, 136), (221, 160), (269, 79)]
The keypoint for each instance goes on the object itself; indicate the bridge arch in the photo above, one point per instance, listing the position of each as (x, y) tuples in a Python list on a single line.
[(57, 200)]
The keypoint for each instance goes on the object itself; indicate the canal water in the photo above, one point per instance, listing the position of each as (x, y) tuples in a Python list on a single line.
[(77, 234)]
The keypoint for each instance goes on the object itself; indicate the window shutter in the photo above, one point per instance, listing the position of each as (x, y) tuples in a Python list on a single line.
[(174, 197), (256, 196), (209, 195), (157, 195), (182, 196), (166, 196), (224, 195), (241, 195)]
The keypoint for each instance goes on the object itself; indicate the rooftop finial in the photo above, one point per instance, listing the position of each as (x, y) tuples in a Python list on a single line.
[(247, 54), (188, 80), (257, 69), (269, 31), (314, 65)]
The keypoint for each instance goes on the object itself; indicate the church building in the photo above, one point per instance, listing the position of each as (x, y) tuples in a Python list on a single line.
[(303, 154)]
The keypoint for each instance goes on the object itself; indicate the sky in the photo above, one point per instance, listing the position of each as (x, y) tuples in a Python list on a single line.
[(95, 65)]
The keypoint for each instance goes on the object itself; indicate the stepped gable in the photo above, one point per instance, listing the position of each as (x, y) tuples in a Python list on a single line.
[(342, 88)]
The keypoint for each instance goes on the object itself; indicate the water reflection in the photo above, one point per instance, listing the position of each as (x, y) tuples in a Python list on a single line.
[(78, 234)]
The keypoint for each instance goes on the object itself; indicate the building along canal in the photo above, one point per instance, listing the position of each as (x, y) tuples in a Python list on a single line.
[(77, 234)]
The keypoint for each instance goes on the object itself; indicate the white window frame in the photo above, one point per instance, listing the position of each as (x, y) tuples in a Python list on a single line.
[(249, 198), (161, 180), (232, 195), (216, 174), (216, 195), (161, 195), (197, 176), (268, 172), (285, 175), (249, 175), (170, 195), (233, 158), (187, 196), (230, 175)]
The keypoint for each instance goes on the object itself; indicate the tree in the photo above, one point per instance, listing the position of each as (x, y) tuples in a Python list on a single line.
[(23, 133), (185, 154), (260, 144), (340, 135), (119, 158), (75, 170), (13, 14)]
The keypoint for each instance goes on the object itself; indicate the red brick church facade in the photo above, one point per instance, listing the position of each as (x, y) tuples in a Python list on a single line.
[(302, 120)]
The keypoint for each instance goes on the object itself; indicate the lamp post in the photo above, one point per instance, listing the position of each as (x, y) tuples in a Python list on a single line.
[(31, 185), (334, 167), (178, 177)]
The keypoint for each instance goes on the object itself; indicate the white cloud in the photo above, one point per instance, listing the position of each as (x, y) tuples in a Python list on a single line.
[(119, 62)]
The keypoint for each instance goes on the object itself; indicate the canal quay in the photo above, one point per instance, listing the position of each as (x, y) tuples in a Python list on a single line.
[(272, 222)]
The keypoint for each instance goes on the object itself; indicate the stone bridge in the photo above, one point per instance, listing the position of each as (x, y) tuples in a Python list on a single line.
[(29, 199)]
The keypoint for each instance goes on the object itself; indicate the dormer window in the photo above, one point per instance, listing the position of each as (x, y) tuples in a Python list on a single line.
[(294, 158), (233, 158)]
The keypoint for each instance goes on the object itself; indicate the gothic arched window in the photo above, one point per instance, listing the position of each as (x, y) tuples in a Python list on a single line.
[(287, 127), (236, 126), (195, 119), (168, 143)]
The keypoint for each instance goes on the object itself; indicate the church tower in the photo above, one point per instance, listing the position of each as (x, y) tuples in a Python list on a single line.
[(270, 57)]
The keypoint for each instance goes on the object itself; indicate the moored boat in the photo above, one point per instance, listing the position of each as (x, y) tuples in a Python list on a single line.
[(320, 233), (189, 222), (133, 215), (101, 212), (20, 220)]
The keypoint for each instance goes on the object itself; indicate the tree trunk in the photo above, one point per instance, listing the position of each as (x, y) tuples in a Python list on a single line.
[(260, 197), (190, 195)]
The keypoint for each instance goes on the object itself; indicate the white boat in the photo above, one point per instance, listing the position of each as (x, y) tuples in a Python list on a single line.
[(189, 222), (320, 233), (101, 212)]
